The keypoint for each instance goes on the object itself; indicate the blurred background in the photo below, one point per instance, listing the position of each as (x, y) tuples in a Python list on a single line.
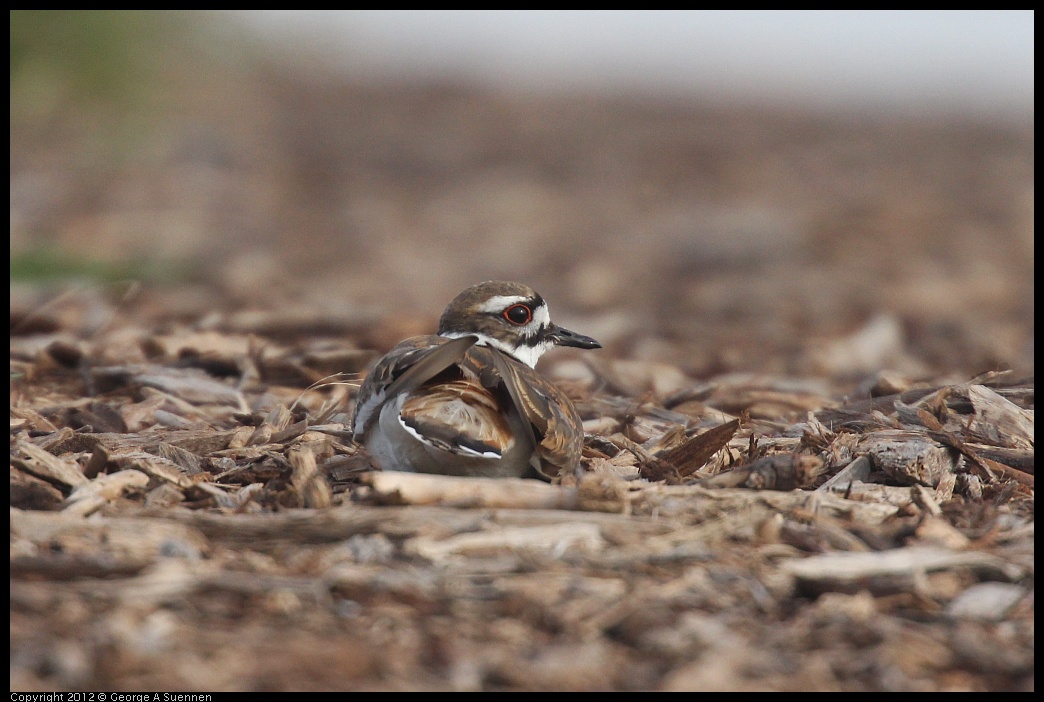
[(822, 193)]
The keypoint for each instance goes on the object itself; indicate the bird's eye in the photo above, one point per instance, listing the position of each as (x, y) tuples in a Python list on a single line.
[(518, 314)]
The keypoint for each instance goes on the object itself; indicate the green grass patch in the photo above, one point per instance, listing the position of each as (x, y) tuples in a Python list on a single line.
[(49, 265)]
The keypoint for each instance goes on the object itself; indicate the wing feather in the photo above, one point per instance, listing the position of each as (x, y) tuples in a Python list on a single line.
[(405, 368), (556, 428)]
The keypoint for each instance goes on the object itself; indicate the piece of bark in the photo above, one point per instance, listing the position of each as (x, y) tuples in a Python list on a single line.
[(164, 495), (1019, 459), (201, 442), (260, 436), (263, 531), (29, 492), (187, 384), (819, 535), (96, 417), (690, 456), (341, 468), (188, 462), (853, 568), (601, 425), (391, 487), (68, 441), (310, 483), (881, 494), (136, 537), (65, 567), (853, 411), (155, 466), (555, 538), (43, 464), (784, 471), (54, 441), (989, 602), (944, 490), (623, 408), (925, 500), (997, 421), (630, 378), (936, 531), (704, 505), (988, 469), (289, 433), (231, 499), (30, 418), (915, 416), (772, 404), (92, 496), (160, 403), (909, 457), (671, 439), (96, 464), (970, 486), (646, 429), (279, 418), (857, 471)]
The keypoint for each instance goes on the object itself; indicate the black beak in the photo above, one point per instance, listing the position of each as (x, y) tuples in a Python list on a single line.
[(564, 337)]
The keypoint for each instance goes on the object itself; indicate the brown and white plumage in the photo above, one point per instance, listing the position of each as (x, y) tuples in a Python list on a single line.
[(468, 401)]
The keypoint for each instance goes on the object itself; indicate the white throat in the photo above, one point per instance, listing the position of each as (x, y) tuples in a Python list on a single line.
[(524, 353)]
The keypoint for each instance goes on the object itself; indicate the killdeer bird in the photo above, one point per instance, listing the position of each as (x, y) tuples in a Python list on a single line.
[(468, 401)]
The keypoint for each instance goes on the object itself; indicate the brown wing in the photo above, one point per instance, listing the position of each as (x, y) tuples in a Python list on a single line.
[(459, 416), (406, 367), (558, 431), (563, 432)]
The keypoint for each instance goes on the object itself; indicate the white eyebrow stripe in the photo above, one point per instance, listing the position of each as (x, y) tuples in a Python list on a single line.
[(499, 303)]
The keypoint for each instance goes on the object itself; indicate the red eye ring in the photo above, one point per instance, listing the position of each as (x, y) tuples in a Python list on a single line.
[(519, 314)]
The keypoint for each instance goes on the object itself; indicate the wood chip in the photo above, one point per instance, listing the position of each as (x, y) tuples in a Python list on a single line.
[(29, 492), (231, 499), (909, 457), (857, 471), (46, 465), (988, 602), (786, 471), (390, 487), (998, 421), (188, 462), (92, 496), (552, 538), (190, 385), (155, 466), (311, 485), (856, 567), (691, 455)]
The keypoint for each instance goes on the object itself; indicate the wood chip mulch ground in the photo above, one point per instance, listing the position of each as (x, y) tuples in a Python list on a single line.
[(809, 452), (187, 514)]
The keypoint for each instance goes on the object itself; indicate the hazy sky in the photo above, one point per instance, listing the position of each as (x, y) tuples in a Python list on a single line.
[(977, 60)]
